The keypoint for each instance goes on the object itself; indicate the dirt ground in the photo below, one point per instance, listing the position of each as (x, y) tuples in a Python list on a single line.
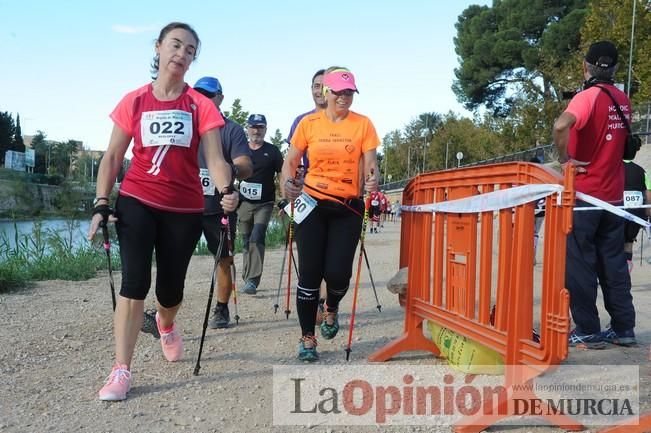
[(57, 348)]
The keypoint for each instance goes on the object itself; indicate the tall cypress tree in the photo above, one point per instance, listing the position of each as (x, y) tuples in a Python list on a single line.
[(19, 144)]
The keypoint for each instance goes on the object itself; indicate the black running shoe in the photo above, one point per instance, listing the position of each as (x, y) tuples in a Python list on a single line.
[(149, 324), (220, 317)]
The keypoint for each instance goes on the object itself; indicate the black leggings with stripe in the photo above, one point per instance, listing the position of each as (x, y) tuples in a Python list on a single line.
[(326, 242)]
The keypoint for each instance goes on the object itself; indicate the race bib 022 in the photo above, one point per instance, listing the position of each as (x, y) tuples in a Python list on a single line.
[(166, 127)]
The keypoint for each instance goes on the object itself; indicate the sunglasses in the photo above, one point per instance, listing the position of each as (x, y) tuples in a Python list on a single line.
[(345, 92)]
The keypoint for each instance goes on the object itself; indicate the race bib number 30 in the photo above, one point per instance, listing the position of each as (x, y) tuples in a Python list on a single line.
[(633, 199), (166, 127), (250, 190), (206, 182), (303, 205)]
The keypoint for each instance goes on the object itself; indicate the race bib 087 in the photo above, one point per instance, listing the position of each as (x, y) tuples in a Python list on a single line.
[(166, 127), (633, 199)]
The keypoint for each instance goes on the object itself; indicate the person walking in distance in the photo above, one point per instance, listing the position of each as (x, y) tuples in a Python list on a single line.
[(339, 143), (160, 201), (590, 136), (258, 195), (375, 209), (238, 154), (637, 192)]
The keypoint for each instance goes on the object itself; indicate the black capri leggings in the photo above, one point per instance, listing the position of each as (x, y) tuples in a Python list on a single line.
[(326, 241), (142, 228)]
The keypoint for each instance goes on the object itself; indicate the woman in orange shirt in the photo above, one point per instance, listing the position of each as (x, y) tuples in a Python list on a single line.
[(338, 142)]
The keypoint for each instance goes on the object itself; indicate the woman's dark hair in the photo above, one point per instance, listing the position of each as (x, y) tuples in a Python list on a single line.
[(155, 64)]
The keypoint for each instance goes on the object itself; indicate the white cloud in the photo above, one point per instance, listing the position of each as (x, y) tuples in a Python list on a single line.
[(119, 28)]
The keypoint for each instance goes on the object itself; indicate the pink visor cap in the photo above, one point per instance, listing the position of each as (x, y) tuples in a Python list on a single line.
[(340, 80)]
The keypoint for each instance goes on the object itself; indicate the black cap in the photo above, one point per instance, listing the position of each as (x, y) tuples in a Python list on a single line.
[(257, 120), (602, 54)]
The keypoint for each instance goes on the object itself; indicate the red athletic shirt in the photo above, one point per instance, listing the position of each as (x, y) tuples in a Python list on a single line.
[(164, 172), (373, 199), (383, 202), (598, 136)]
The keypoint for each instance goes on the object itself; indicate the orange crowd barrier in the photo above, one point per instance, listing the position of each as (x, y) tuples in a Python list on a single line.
[(456, 274)]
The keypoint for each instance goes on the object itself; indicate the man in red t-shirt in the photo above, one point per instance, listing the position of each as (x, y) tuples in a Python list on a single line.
[(591, 135)]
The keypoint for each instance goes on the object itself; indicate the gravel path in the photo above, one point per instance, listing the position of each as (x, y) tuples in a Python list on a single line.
[(57, 348)]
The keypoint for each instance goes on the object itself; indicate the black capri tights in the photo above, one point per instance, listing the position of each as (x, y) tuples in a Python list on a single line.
[(174, 235), (326, 242)]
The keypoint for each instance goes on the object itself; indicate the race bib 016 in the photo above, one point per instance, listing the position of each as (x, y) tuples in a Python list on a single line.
[(166, 127), (252, 191), (303, 205), (206, 182)]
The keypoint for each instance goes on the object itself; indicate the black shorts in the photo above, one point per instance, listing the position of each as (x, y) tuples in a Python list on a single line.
[(212, 225), (631, 229), (374, 213), (142, 228)]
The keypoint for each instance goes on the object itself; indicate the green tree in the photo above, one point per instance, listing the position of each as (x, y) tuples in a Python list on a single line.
[(277, 139), (19, 144), (237, 113), (63, 157), (41, 149), (7, 133), (513, 49), (612, 21)]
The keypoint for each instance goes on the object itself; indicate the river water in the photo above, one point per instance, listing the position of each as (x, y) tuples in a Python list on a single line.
[(67, 229)]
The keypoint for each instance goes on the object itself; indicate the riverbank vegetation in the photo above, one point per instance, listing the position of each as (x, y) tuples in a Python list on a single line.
[(47, 254)]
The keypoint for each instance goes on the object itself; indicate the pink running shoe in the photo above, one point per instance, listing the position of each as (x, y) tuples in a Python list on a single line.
[(172, 342), (117, 384)]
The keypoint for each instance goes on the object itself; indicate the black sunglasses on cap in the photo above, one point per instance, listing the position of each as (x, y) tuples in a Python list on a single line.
[(345, 92)]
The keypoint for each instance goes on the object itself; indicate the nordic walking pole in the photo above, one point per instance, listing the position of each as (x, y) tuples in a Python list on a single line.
[(641, 249), (231, 253), (359, 269), (197, 366), (290, 234), (377, 300), (107, 248), (281, 205)]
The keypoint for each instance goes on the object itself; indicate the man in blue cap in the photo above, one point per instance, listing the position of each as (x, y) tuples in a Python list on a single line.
[(257, 195), (236, 152)]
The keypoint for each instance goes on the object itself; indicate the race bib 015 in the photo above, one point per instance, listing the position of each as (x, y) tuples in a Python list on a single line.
[(250, 190)]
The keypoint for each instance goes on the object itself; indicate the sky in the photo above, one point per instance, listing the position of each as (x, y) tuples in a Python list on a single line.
[(66, 64)]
